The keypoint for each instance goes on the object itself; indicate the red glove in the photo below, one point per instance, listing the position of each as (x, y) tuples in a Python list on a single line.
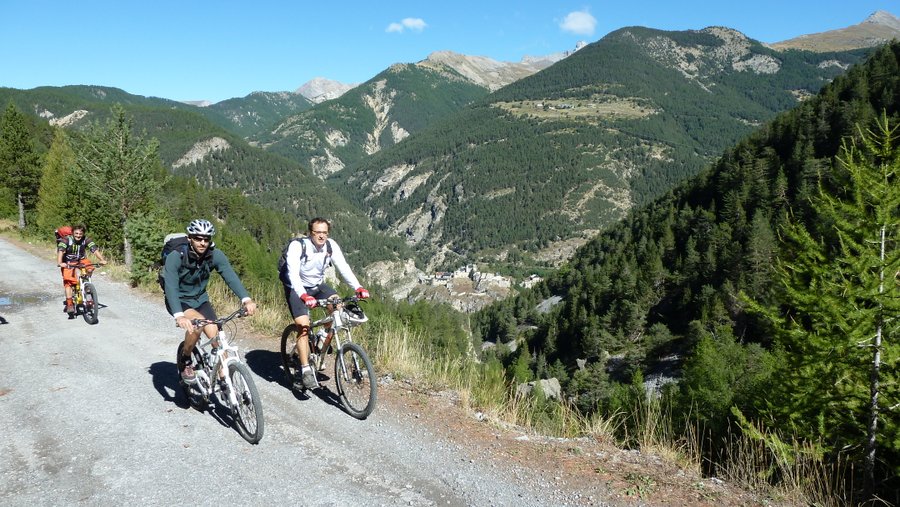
[(308, 300), (362, 293)]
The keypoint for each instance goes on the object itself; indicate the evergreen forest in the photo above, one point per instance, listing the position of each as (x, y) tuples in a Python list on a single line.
[(569, 150), (764, 291)]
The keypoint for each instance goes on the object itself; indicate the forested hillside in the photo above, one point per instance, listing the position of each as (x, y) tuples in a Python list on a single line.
[(751, 298), (563, 153), (191, 146), (255, 113), (755, 286), (377, 114)]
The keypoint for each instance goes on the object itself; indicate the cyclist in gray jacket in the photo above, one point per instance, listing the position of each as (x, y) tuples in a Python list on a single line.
[(186, 274)]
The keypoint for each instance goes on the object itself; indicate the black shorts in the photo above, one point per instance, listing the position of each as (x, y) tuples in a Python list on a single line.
[(205, 309), (296, 305)]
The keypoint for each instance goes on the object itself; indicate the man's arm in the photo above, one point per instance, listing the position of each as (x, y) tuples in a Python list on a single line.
[(96, 251), (337, 257), (223, 266), (292, 265), (171, 281)]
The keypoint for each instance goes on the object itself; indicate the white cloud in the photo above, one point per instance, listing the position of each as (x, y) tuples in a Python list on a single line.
[(579, 23), (414, 24)]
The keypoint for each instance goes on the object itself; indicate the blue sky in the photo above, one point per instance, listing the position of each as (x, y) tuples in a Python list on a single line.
[(215, 50)]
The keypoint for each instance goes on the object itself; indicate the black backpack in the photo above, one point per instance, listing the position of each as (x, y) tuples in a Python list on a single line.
[(177, 241), (282, 261)]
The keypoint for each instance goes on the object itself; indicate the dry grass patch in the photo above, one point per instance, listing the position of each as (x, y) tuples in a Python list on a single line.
[(597, 107)]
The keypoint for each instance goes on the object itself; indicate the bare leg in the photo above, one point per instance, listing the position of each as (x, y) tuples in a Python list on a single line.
[(302, 323), (191, 339)]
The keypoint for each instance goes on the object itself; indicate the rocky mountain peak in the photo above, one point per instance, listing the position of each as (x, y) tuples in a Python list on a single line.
[(320, 89), (490, 73), (879, 28), (883, 18)]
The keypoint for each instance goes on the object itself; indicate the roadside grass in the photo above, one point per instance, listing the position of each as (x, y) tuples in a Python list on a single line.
[(794, 475), (786, 470)]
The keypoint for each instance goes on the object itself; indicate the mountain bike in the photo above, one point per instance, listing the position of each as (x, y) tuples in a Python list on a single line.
[(84, 294), (354, 375), (221, 375)]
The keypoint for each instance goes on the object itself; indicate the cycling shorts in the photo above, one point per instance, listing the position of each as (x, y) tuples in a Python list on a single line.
[(70, 275), (296, 305), (205, 309)]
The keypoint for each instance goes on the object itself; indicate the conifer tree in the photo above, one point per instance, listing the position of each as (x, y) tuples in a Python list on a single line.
[(18, 160), (121, 171), (55, 205), (840, 336)]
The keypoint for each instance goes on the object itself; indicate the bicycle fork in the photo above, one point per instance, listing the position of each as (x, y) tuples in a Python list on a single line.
[(208, 382), (224, 383)]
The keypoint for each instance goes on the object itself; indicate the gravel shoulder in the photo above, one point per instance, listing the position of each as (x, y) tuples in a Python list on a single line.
[(92, 415)]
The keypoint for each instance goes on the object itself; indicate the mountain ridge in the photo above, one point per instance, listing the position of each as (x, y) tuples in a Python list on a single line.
[(877, 29), (588, 138)]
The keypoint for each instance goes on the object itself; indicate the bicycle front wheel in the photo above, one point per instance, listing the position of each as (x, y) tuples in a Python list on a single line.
[(248, 412), (354, 377), (90, 305), (289, 360)]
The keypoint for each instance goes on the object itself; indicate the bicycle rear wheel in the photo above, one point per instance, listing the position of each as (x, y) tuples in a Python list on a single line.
[(354, 377), (248, 413), (90, 305)]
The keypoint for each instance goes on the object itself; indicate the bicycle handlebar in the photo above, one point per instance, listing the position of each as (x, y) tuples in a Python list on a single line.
[(79, 264), (337, 300), (240, 312)]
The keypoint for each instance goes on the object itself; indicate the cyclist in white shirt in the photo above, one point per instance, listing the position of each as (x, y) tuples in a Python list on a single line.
[(303, 276)]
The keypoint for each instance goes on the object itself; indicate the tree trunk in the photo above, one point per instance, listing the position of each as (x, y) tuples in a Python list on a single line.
[(21, 204), (127, 252), (873, 384)]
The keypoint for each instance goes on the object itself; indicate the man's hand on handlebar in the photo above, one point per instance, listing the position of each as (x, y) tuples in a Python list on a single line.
[(185, 323), (308, 300)]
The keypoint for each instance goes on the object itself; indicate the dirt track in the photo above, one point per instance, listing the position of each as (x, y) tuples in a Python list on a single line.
[(91, 415)]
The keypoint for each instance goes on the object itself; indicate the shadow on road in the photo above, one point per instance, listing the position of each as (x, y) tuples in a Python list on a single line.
[(266, 364), (165, 381)]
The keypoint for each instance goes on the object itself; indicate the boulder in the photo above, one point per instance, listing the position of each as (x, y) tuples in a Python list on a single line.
[(550, 388)]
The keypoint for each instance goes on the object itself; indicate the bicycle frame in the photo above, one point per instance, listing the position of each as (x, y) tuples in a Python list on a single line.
[(340, 320), (226, 354), (83, 277), (354, 374)]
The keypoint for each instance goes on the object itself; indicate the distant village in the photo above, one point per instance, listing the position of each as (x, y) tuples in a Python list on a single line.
[(468, 289), (482, 281)]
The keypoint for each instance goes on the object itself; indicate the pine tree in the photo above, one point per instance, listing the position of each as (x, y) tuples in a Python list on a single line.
[(18, 160), (840, 336), (121, 171), (55, 206)]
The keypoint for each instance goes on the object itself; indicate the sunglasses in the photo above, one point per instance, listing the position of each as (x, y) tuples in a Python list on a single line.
[(201, 239)]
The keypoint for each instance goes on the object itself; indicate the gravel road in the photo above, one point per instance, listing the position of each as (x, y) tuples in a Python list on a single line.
[(92, 415)]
